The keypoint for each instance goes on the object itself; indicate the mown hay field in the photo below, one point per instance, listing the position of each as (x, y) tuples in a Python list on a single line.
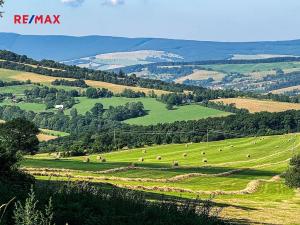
[(254, 105), (243, 174), (202, 75)]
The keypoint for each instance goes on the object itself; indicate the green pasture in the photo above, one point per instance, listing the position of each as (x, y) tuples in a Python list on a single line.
[(157, 112), (248, 68)]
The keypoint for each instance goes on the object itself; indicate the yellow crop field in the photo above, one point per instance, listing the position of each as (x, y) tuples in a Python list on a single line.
[(202, 75), (37, 78), (45, 137), (254, 105)]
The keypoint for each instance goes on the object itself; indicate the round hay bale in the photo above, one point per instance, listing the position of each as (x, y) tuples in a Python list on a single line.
[(184, 154), (141, 159), (186, 145), (86, 160), (248, 156), (103, 160), (158, 157), (99, 157), (205, 160), (220, 150), (203, 153), (144, 151), (175, 163)]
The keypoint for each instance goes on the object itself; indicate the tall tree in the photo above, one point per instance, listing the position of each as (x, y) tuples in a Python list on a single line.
[(292, 177), (1, 4), (20, 135)]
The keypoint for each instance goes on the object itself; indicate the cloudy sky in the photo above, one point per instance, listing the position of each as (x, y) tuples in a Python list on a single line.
[(221, 20)]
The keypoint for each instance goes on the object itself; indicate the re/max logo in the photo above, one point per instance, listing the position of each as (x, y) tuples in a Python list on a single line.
[(37, 19)]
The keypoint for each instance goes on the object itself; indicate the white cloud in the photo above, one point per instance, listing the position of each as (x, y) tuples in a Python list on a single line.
[(76, 3), (113, 2), (73, 3)]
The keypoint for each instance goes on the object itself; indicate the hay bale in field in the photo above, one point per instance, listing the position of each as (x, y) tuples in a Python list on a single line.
[(203, 153), (158, 157), (231, 146), (205, 160), (220, 150), (175, 163), (86, 159), (184, 154), (144, 151), (141, 159), (99, 157), (186, 145), (103, 160), (248, 156)]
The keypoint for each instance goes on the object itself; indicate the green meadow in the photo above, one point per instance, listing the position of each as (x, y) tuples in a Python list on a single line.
[(242, 171), (157, 112)]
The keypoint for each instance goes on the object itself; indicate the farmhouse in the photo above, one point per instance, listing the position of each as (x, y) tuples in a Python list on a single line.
[(59, 107)]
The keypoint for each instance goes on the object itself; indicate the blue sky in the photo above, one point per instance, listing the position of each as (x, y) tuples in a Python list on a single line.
[(220, 20)]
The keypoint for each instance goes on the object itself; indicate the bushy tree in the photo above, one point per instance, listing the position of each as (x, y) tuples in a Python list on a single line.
[(292, 177), (20, 134)]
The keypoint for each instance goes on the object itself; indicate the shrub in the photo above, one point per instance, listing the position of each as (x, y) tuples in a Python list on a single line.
[(103, 160), (28, 214), (292, 176)]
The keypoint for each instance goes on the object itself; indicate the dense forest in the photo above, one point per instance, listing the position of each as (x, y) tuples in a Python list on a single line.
[(101, 130)]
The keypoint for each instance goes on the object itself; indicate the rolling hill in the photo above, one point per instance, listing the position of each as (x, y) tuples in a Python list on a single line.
[(62, 48)]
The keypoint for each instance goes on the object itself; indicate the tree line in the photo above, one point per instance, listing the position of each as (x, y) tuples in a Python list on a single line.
[(73, 83)]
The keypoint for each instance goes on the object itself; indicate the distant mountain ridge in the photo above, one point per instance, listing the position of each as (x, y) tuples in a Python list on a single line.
[(63, 48)]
